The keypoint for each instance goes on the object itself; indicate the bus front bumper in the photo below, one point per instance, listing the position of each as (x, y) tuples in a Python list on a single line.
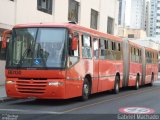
[(40, 89)]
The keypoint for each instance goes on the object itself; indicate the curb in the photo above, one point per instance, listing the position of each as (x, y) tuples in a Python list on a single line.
[(6, 99)]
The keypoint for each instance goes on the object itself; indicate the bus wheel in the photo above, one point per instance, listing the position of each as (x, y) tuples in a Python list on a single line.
[(116, 85), (137, 84), (85, 90), (152, 80)]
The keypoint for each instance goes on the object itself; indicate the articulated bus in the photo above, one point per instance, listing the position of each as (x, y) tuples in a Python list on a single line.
[(61, 61)]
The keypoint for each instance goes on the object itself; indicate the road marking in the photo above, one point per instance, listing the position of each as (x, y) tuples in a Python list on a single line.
[(31, 111), (107, 100), (136, 110)]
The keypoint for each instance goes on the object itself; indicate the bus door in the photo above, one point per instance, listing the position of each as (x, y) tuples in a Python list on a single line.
[(95, 65)]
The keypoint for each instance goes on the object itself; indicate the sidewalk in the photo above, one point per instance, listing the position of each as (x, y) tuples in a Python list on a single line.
[(2, 74), (2, 80), (2, 92)]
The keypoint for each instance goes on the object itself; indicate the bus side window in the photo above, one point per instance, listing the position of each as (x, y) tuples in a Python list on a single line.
[(140, 57), (118, 51), (112, 45), (132, 54), (119, 47), (107, 44), (103, 52), (86, 46), (74, 54), (95, 47)]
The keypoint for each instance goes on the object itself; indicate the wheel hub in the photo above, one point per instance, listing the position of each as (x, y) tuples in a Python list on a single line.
[(86, 89)]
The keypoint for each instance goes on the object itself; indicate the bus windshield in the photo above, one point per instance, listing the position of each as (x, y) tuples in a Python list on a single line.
[(37, 48)]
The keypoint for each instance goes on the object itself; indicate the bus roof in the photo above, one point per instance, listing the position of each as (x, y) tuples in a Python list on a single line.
[(72, 26), (151, 49), (135, 44)]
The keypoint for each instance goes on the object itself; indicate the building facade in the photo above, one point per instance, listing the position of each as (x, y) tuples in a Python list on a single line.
[(147, 17), (137, 13), (153, 16), (158, 19), (154, 29), (97, 14), (121, 14), (127, 32), (133, 18)]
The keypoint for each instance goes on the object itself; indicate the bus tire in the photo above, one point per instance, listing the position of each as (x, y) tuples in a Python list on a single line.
[(116, 85), (137, 84), (85, 90), (152, 80)]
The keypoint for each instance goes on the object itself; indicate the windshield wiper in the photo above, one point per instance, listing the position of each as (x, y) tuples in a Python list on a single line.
[(26, 52)]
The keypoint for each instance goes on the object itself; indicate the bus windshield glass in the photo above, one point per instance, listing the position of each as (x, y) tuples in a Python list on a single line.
[(37, 48)]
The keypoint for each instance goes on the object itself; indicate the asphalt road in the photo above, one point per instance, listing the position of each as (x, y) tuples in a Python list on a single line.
[(100, 106)]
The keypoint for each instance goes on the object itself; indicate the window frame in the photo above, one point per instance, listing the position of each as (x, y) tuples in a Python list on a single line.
[(94, 19), (49, 6), (110, 26), (73, 11)]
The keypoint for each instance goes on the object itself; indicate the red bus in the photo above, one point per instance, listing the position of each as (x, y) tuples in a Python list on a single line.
[(61, 61)]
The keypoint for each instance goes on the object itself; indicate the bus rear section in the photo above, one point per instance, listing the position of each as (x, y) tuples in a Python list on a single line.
[(140, 64), (151, 66)]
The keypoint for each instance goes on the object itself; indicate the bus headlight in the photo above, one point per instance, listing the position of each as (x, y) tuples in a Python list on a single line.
[(55, 83), (10, 82)]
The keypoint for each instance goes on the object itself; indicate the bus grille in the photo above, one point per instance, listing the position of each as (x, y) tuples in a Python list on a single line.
[(31, 86)]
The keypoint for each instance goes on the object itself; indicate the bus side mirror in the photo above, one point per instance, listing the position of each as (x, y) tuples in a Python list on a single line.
[(74, 43), (2, 52), (5, 35), (3, 44)]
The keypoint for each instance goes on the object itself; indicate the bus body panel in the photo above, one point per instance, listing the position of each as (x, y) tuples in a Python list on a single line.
[(95, 78), (75, 77), (107, 72), (135, 67)]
